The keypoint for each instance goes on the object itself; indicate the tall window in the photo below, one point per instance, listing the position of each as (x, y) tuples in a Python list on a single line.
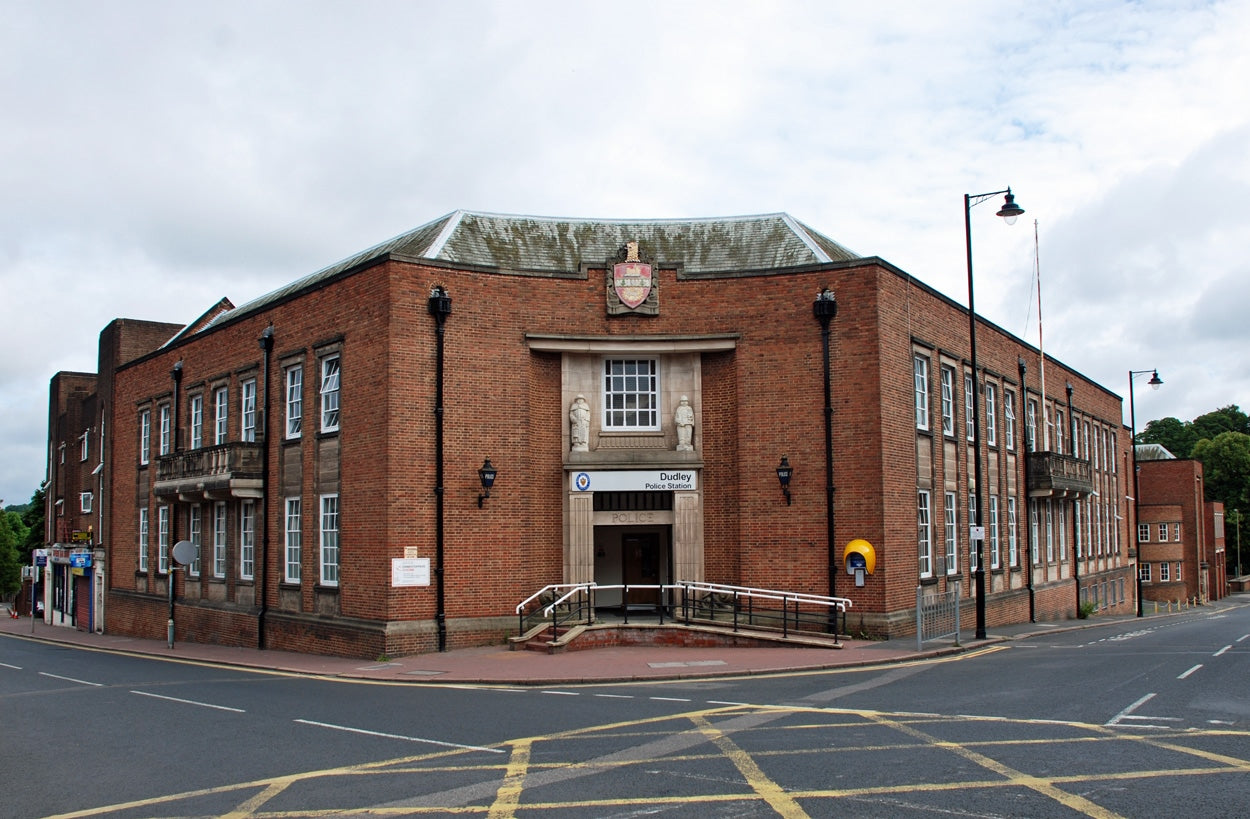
[(84, 447), (970, 403), (1062, 532), (631, 393), (162, 539), (1013, 539), (1085, 439), (952, 533), (920, 379), (1178, 577), (221, 414), (292, 558), (995, 558), (219, 539), (1059, 431), (294, 401), (193, 535), (1030, 424), (196, 411), (166, 430), (84, 502), (247, 410), (1144, 570), (1176, 532), (247, 539), (145, 436), (1050, 532), (330, 394), (1163, 532), (143, 539), (1035, 532), (1009, 418), (1143, 533), (991, 414), (1165, 572), (972, 520), (330, 540), (948, 401), (924, 536), (1076, 529)]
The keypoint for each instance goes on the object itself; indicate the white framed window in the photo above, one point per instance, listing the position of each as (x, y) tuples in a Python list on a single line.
[(162, 539), (1048, 414), (1013, 537), (247, 411), (1050, 531), (1059, 431), (991, 414), (1178, 577), (995, 553), (1144, 570), (1163, 532), (194, 526), (1176, 532), (631, 393), (1035, 532), (948, 401), (1009, 418), (950, 507), (329, 540), (1030, 424), (1111, 459), (291, 556), (219, 539), (1062, 533), (1143, 533), (247, 539), (145, 437), (196, 410), (330, 393), (972, 521), (924, 534), (166, 430), (294, 401), (970, 403), (1085, 439), (84, 502), (143, 539), (1076, 529), (84, 446), (221, 414), (1165, 572), (920, 379), (1097, 446), (1098, 531)]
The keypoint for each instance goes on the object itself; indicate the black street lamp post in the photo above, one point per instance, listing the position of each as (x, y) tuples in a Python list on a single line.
[(1154, 383), (1009, 211)]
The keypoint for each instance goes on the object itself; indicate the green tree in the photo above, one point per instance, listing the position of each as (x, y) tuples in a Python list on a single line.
[(33, 520), (10, 565), (1224, 419), (1226, 467), (1173, 434)]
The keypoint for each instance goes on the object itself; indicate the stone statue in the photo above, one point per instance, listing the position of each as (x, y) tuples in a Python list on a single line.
[(684, 419), (579, 425)]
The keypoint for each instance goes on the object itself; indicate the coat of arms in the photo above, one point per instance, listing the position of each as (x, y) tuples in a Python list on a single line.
[(632, 285)]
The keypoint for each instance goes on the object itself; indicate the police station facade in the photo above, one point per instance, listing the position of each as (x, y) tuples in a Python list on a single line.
[(634, 386)]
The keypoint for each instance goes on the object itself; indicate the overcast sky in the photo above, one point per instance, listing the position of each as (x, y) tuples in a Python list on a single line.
[(157, 156)]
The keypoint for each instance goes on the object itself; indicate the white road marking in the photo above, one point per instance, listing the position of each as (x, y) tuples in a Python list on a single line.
[(397, 736), (189, 702), (14, 667), (70, 679), (1221, 651), (1114, 720), (1190, 671)]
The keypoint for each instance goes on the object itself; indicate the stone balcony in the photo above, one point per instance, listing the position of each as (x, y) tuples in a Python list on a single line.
[(1052, 475), (222, 472)]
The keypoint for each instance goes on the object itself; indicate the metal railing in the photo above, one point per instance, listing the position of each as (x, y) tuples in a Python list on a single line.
[(567, 604), (937, 614)]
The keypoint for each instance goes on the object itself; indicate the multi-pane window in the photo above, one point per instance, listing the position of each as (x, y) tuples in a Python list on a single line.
[(1076, 529), (1097, 446), (1062, 533), (193, 535), (145, 436), (1013, 540), (1098, 540), (1035, 532), (1178, 577), (952, 533), (1111, 460), (1030, 424), (219, 539), (920, 383), (948, 401), (1143, 533), (991, 414), (330, 394), (84, 502), (995, 560), (1163, 532), (166, 430), (1176, 532), (247, 410), (329, 540), (1009, 418), (221, 414), (973, 520), (294, 401), (291, 556), (84, 447), (970, 403), (1059, 431), (1165, 572), (924, 535), (1085, 439), (143, 539), (196, 410), (631, 392), (162, 539), (247, 539), (1050, 531), (1144, 571)]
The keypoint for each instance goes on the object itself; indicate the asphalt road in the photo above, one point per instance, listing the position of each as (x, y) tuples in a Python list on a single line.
[(1139, 719)]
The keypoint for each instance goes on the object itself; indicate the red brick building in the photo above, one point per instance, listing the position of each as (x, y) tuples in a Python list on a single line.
[(1180, 535), (635, 384)]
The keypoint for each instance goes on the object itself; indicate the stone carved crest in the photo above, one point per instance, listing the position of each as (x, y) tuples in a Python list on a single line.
[(632, 285)]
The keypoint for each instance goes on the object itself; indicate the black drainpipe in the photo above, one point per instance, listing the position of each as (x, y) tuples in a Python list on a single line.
[(1028, 505), (825, 308), (440, 308), (266, 344)]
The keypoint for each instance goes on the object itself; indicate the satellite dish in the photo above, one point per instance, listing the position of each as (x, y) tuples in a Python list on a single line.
[(184, 552)]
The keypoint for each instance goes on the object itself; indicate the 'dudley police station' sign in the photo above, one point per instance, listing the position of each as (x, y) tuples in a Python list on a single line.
[(634, 480)]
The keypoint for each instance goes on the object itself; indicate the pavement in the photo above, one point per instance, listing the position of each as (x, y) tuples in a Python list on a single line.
[(497, 665)]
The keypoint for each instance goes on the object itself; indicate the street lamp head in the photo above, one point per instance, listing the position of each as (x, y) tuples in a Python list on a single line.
[(1155, 380), (1010, 210)]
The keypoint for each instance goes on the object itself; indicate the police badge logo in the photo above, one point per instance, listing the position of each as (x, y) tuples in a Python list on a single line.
[(632, 285)]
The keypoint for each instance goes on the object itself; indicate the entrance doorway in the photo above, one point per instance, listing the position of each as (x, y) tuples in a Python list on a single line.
[(632, 557)]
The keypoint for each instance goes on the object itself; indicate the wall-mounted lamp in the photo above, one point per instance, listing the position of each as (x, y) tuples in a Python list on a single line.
[(487, 475), (784, 474)]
